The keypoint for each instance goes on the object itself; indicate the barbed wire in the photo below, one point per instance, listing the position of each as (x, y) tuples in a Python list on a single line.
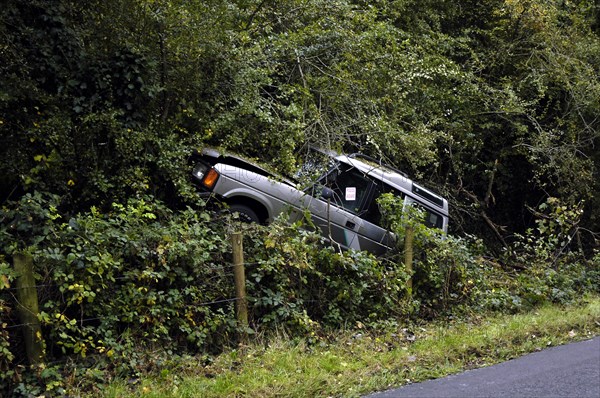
[(81, 321), (131, 278), (13, 289)]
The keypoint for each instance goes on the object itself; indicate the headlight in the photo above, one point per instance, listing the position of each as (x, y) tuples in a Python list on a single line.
[(199, 171), (207, 175)]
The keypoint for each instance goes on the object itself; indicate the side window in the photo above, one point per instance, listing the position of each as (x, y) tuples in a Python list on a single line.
[(351, 189), (433, 220), (373, 214)]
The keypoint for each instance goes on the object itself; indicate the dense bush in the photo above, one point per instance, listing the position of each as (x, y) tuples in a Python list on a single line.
[(297, 282), (453, 274), (124, 290), (115, 286), (6, 355), (494, 102)]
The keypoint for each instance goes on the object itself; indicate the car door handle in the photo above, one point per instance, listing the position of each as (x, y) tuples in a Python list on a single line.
[(350, 224)]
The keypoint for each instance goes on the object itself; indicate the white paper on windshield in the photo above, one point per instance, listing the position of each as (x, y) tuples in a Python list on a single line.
[(350, 193)]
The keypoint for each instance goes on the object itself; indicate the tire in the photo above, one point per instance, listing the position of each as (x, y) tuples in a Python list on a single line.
[(246, 214)]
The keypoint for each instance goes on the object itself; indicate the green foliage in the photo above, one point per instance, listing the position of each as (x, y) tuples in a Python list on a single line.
[(7, 275), (484, 98), (453, 274), (557, 226), (446, 269), (297, 283), (494, 102), (128, 280), (121, 289), (554, 269)]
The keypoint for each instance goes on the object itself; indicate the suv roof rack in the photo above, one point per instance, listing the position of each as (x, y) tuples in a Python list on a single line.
[(378, 161)]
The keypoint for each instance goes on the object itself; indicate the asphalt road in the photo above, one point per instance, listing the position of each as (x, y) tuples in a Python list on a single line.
[(571, 370)]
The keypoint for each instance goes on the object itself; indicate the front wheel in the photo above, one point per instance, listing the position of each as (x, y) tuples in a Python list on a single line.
[(245, 213)]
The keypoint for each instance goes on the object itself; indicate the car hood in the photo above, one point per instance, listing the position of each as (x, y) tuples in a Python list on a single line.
[(241, 162)]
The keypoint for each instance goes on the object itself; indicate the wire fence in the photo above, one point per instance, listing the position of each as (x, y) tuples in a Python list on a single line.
[(37, 287), (201, 304), (84, 320), (121, 278)]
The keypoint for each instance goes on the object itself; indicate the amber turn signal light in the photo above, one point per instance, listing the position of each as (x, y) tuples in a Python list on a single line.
[(210, 178)]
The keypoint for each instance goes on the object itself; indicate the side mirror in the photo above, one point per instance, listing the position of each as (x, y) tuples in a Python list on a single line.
[(327, 193)]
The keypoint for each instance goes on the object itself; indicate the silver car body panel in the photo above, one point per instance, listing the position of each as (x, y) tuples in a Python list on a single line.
[(246, 181)]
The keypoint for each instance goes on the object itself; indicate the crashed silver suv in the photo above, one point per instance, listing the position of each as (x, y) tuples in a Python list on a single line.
[(342, 203)]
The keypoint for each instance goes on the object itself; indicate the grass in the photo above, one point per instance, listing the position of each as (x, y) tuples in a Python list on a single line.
[(361, 362)]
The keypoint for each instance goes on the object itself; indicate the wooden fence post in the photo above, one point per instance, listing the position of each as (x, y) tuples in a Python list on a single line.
[(28, 308), (408, 257), (239, 277)]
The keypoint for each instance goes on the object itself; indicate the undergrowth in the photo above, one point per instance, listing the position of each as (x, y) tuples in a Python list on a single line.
[(136, 288)]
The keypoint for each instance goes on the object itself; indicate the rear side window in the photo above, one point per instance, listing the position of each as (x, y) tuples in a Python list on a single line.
[(373, 214), (433, 220)]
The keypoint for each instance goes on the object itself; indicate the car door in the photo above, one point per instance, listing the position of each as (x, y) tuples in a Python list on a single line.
[(341, 220), (372, 235)]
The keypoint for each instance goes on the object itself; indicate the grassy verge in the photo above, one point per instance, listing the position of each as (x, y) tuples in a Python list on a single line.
[(365, 361)]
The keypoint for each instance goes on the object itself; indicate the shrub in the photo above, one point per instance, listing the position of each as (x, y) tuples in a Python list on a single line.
[(125, 289), (550, 268), (452, 273), (446, 269), (299, 283), (116, 285), (6, 355)]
